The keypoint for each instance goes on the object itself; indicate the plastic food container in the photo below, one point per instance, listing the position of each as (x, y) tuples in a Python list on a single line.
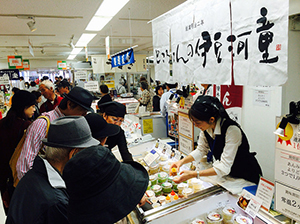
[(187, 192), (153, 179), (154, 169), (166, 187), (162, 177), (198, 221), (180, 188), (161, 199), (214, 218), (228, 212), (150, 193), (166, 168), (240, 219), (170, 179), (163, 158), (157, 189), (155, 205), (197, 185), (162, 164)]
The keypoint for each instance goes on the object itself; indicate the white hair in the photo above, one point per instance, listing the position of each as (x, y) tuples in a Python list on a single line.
[(48, 84), (56, 154)]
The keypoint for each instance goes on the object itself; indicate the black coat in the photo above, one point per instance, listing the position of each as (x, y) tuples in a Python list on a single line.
[(36, 201), (104, 99), (120, 140), (156, 103)]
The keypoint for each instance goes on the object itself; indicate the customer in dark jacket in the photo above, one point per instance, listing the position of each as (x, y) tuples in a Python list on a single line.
[(41, 195), (11, 131), (113, 113)]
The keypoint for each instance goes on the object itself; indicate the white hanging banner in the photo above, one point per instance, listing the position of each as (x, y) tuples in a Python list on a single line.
[(206, 47)]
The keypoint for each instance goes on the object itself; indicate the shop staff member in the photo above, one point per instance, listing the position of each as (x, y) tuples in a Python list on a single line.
[(171, 88), (105, 94), (47, 90), (76, 103), (101, 189), (41, 195), (221, 138), (113, 113)]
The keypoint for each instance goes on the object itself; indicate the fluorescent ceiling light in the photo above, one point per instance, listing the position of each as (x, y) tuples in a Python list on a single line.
[(107, 10), (110, 7), (85, 39), (97, 23), (76, 50), (71, 56)]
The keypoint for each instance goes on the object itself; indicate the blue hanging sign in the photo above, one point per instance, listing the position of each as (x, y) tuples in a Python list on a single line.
[(124, 58)]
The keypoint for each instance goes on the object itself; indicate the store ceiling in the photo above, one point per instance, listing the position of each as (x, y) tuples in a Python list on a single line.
[(53, 35)]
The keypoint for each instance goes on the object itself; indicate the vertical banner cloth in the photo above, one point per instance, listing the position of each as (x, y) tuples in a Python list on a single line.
[(123, 58), (239, 42)]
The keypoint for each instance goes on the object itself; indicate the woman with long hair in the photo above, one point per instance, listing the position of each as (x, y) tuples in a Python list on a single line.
[(222, 140), (11, 131)]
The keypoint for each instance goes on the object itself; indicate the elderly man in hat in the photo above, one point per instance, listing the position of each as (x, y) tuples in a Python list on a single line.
[(76, 103), (47, 90), (41, 195), (101, 189)]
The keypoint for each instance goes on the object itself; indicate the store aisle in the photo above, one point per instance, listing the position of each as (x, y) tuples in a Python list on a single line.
[(2, 215)]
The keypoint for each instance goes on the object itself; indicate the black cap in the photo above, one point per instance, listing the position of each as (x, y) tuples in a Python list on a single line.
[(113, 108), (99, 127)]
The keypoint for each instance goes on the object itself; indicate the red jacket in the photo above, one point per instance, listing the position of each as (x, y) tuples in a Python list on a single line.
[(47, 106)]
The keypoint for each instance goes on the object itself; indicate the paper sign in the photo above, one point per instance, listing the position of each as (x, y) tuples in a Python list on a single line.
[(92, 86), (265, 191), (249, 203), (287, 169), (147, 126), (185, 125), (287, 201), (262, 98), (151, 157), (4, 80), (80, 75), (185, 145)]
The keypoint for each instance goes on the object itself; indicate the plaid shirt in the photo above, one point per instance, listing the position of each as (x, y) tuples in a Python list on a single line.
[(33, 141)]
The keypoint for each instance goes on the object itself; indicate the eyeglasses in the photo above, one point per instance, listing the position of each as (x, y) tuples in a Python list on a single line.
[(117, 120)]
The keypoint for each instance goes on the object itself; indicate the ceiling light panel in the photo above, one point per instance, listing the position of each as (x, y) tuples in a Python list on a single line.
[(76, 50), (107, 10), (71, 56), (110, 7), (85, 39)]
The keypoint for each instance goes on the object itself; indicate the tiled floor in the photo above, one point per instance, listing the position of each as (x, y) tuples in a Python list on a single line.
[(2, 215)]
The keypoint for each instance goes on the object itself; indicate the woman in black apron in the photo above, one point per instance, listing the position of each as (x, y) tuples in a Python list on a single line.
[(222, 140)]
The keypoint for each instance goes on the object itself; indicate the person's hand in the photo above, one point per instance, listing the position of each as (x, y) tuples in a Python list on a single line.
[(143, 201), (184, 176), (176, 165)]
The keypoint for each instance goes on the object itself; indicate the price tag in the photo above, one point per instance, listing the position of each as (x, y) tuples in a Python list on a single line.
[(249, 203), (151, 157), (177, 155)]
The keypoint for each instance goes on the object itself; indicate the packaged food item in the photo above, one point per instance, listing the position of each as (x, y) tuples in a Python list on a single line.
[(176, 197), (162, 177), (162, 199), (172, 195), (197, 185), (162, 164), (166, 168), (150, 193), (157, 189), (155, 205), (168, 199), (153, 179), (240, 219), (228, 212), (153, 169), (214, 218), (197, 221), (163, 158), (154, 199), (166, 187), (180, 188), (170, 179), (174, 171), (187, 192)]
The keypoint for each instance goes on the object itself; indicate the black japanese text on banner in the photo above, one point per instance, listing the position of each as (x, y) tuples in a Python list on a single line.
[(205, 45)]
